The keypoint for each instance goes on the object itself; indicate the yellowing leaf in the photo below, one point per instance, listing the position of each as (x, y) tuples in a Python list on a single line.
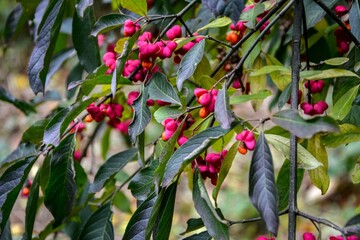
[(136, 6), (120, 45), (219, 22), (343, 105)]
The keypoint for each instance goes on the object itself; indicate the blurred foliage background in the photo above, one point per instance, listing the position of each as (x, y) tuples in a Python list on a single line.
[(340, 203)]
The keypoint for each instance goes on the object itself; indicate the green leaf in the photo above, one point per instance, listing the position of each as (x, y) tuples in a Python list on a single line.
[(216, 228), (262, 187), (314, 13), (290, 120), (342, 107), (336, 61), (21, 105), (142, 115), (283, 184), (61, 190), (219, 22), (222, 112), (167, 112), (24, 150), (354, 19), (348, 133), (82, 5), (189, 151), (105, 142), (328, 73), (160, 89), (229, 8), (306, 159), (6, 233), (249, 62), (250, 15), (189, 63), (86, 46), (142, 184), (280, 78), (319, 176), (31, 208), (139, 220), (45, 44), (52, 132), (225, 168), (353, 116), (247, 97), (12, 22), (74, 76), (193, 224), (270, 69), (108, 22), (112, 166), (122, 203), (353, 225), (355, 177), (11, 182), (285, 96), (99, 225), (136, 6)]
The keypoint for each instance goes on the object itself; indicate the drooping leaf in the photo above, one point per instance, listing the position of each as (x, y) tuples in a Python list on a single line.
[(231, 8), (61, 190), (160, 89), (306, 159), (108, 22), (12, 22), (189, 63), (224, 170), (167, 112), (31, 208), (58, 60), (193, 224), (24, 150), (348, 133), (262, 187), (136, 6), (99, 225), (283, 183), (336, 61), (86, 46), (189, 151), (290, 120), (82, 5), (44, 46), (20, 104), (52, 132), (342, 107), (328, 73), (247, 97), (215, 227), (354, 19), (199, 236), (142, 115), (112, 166), (315, 13), (141, 185), (223, 113), (219, 22), (319, 176), (11, 182), (353, 225), (137, 225)]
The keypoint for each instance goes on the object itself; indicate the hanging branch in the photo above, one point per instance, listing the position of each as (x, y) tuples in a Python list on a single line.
[(338, 21)]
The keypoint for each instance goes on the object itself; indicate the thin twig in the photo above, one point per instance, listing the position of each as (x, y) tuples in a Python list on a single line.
[(218, 41), (256, 219)]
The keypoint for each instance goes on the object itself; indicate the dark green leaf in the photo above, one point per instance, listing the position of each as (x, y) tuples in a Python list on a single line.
[(353, 116), (21, 105), (223, 113), (86, 45), (112, 166), (44, 46), (160, 89), (35, 133), (262, 187), (135, 230), (99, 225), (136, 6), (216, 228), (355, 19), (290, 120), (31, 208), (108, 22), (12, 22), (61, 190), (348, 133), (284, 97), (52, 132), (193, 224), (74, 76), (11, 182), (283, 184), (353, 225), (189, 63), (199, 236), (189, 151), (314, 13), (82, 5), (105, 142), (142, 116), (229, 8), (141, 185), (121, 202), (6, 234), (58, 60), (24, 150)]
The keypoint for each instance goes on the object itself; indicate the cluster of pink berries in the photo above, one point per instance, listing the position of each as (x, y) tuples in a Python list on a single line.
[(150, 102), (130, 28), (112, 110), (342, 39), (248, 141), (109, 59), (131, 65), (207, 99), (210, 166), (314, 86), (171, 125)]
